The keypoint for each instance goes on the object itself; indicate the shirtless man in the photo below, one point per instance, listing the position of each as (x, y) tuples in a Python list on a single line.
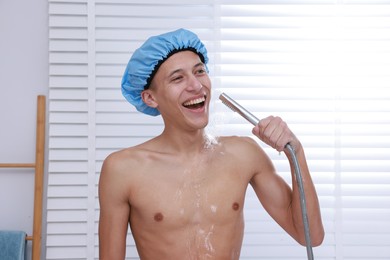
[(182, 193)]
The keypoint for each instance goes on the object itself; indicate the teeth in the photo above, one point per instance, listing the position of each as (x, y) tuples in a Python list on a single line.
[(194, 102)]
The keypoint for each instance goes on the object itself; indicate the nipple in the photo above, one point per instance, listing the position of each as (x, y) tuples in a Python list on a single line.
[(158, 217), (235, 206)]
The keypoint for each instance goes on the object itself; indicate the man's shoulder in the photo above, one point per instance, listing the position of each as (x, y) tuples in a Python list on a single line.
[(238, 141), (126, 155), (123, 164), (243, 146)]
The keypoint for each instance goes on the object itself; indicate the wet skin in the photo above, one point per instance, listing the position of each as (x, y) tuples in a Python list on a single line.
[(195, 210), (182, 194)]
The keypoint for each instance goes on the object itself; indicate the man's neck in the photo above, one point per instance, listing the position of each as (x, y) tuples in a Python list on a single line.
[(184, 143)]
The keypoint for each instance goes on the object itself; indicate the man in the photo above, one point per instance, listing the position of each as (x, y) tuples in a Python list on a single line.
[(181, 193)]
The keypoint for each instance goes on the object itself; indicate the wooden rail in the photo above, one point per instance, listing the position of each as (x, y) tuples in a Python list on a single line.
[(36, 237), (17, 165)]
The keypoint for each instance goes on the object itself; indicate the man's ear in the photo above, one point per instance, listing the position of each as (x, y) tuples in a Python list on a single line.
[(148, 98)]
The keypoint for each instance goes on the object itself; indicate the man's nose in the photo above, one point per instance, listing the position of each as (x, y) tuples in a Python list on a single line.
[(194, 84)]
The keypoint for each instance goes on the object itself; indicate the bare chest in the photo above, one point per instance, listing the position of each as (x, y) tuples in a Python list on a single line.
[(182, 196)]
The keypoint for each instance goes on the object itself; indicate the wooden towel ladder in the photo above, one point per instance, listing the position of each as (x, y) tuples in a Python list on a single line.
[(36, 236)]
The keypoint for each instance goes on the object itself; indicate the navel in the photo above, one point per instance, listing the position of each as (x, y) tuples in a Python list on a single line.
[(158, 217), (235, 206)]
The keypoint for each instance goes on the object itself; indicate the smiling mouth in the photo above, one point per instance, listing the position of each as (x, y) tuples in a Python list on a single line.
[(195, 103)]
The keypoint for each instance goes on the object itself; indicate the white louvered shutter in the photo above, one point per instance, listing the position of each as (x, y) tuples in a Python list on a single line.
[(68, 181), (90, 44), (321, 65)]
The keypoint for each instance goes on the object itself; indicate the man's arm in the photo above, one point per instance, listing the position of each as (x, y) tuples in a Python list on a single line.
[(313, 213), (114, 212), (282, 202)]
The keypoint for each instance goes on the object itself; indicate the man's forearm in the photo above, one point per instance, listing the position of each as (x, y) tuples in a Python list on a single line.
[(311, 199)]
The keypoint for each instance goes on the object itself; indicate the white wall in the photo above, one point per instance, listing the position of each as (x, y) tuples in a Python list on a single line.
[(23, 76)]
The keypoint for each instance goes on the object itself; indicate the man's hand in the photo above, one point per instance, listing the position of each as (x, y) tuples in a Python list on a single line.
[(275, 132)]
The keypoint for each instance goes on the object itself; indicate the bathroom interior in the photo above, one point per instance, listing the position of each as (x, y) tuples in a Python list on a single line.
[(323, 65)]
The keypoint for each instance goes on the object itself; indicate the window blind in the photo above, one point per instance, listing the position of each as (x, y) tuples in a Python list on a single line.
[(322, 65)]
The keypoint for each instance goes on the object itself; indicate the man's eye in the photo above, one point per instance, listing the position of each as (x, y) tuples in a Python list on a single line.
[(200, 71), (178, 78)]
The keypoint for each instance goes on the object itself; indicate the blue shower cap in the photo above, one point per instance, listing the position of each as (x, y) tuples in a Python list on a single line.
[(148, 58)]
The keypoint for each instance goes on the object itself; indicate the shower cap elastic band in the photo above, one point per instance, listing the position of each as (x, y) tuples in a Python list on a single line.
[(146, 60)]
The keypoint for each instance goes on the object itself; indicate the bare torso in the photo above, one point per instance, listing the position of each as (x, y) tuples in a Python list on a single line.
[(188, 208), (187, 202)]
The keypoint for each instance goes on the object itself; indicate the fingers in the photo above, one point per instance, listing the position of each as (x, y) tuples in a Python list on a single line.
[(274, 132)]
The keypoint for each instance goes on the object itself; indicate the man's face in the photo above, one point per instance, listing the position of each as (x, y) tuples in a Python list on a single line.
[(181, 88)]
